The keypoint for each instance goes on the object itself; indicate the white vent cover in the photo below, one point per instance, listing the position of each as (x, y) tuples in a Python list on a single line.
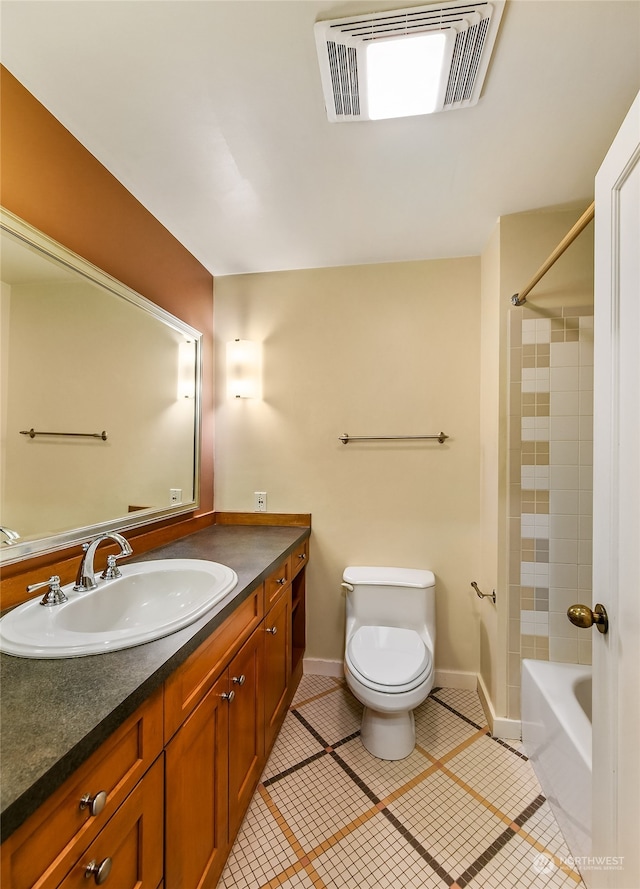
[(471, 29)]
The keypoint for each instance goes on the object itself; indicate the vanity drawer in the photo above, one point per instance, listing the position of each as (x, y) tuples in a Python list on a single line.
[(187, 686), (40, 853), (276, 583), (299, 558), (131, 844)]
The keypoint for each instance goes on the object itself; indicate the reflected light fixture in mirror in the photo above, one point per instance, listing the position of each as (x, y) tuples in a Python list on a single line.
[(244, 369), (187, 369)]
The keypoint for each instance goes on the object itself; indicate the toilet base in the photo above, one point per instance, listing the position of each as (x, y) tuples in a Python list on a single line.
[(388, 735)]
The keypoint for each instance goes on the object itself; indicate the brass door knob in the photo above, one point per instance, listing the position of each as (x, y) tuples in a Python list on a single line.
[(583, 616)]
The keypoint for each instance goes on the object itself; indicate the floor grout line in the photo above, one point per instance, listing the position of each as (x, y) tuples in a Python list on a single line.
[(399, 823)]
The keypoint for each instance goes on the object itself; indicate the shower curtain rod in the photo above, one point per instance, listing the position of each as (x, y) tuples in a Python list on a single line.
[(520, 298)]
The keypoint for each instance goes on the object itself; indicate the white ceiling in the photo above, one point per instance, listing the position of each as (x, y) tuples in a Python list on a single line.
[(211, 113)]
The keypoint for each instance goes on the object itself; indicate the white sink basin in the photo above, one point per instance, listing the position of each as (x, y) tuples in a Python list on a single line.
[(150, 600)]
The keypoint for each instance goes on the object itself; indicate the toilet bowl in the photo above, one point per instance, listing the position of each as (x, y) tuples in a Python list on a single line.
[(389, 650)]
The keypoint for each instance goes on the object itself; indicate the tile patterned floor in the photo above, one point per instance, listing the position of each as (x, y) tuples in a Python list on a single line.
[(464, 810)]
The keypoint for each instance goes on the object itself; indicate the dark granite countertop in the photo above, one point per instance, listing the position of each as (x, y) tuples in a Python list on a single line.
[(55, 713)]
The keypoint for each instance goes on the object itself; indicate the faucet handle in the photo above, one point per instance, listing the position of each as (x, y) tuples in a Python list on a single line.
[(54, 595), (112, 570)]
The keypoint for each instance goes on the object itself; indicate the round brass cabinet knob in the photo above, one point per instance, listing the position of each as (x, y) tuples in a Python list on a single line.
[(582, 616)]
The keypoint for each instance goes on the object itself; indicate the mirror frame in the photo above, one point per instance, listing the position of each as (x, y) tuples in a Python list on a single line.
[(52, 249)]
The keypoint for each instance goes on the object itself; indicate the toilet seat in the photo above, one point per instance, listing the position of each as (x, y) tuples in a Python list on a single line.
[(388, 659)]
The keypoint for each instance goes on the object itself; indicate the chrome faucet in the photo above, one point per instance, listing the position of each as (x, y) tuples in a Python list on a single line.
[(11, 536), (86, 579)]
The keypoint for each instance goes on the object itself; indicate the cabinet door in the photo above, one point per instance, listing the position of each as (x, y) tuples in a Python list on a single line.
[(41, 851), (277, 666), (128, 851), (196, 794), (246, 727)]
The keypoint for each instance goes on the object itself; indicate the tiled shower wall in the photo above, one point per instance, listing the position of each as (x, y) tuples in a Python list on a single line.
[(551, 484)]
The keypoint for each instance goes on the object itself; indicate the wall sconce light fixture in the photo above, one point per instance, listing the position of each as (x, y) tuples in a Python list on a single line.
[(186, 369), (244, 369)]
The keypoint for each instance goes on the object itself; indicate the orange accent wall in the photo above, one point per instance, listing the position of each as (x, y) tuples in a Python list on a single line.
[(51, 181)]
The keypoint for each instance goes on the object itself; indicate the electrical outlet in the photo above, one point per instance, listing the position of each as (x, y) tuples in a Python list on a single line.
[(260, 501), (175, 495)]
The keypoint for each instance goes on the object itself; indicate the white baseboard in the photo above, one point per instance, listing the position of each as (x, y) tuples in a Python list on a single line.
[(316, 666), (500, 727)]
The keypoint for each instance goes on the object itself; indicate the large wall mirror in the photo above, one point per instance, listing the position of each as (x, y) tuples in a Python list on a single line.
[(100, 400)]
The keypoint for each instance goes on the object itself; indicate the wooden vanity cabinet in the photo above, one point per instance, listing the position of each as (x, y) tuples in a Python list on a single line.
[(170, 817), (129, 851), (216, 755), (277, 669), (299, 560), (53, 841), (213, 764), (197, 835), (246, 727)]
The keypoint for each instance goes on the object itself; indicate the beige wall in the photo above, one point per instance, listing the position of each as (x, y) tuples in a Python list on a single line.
[(380, 349)]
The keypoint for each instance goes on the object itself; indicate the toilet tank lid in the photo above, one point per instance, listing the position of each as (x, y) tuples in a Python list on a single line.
[(410, 577)]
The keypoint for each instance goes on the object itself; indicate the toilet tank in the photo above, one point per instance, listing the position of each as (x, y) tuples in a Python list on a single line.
[(391, 597)]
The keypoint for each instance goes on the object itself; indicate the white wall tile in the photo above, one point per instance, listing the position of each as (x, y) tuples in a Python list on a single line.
[(586, 453), (564, 428), (585, 527), (535, 379), (562, 379), (534, 478), (585, 552), (564, 453), (563, 551), (586, 352), (534, 623), (585, 579), (563, 503), (527, 475), (563, 650), (585, 378), (584, 649), (586, 503), (543, 330), (560, 600), (564, 478), (586, 403), (586, 429), (542, 526), (564, 404), (565, 354), (535, 429), (560, 627), (586, 478), (527, 524), (563, 576), (528, 331), (563, 527)]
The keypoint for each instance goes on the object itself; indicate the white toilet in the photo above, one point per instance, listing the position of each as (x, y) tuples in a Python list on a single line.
[(389, 652)]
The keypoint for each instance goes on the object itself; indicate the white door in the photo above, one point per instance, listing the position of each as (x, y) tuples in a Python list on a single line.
[(616, 526)]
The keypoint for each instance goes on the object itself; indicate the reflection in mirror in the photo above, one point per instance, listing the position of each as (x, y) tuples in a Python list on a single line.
[(100, 400)]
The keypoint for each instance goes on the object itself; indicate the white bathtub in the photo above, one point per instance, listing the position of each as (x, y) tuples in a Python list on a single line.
[(556, 731)]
